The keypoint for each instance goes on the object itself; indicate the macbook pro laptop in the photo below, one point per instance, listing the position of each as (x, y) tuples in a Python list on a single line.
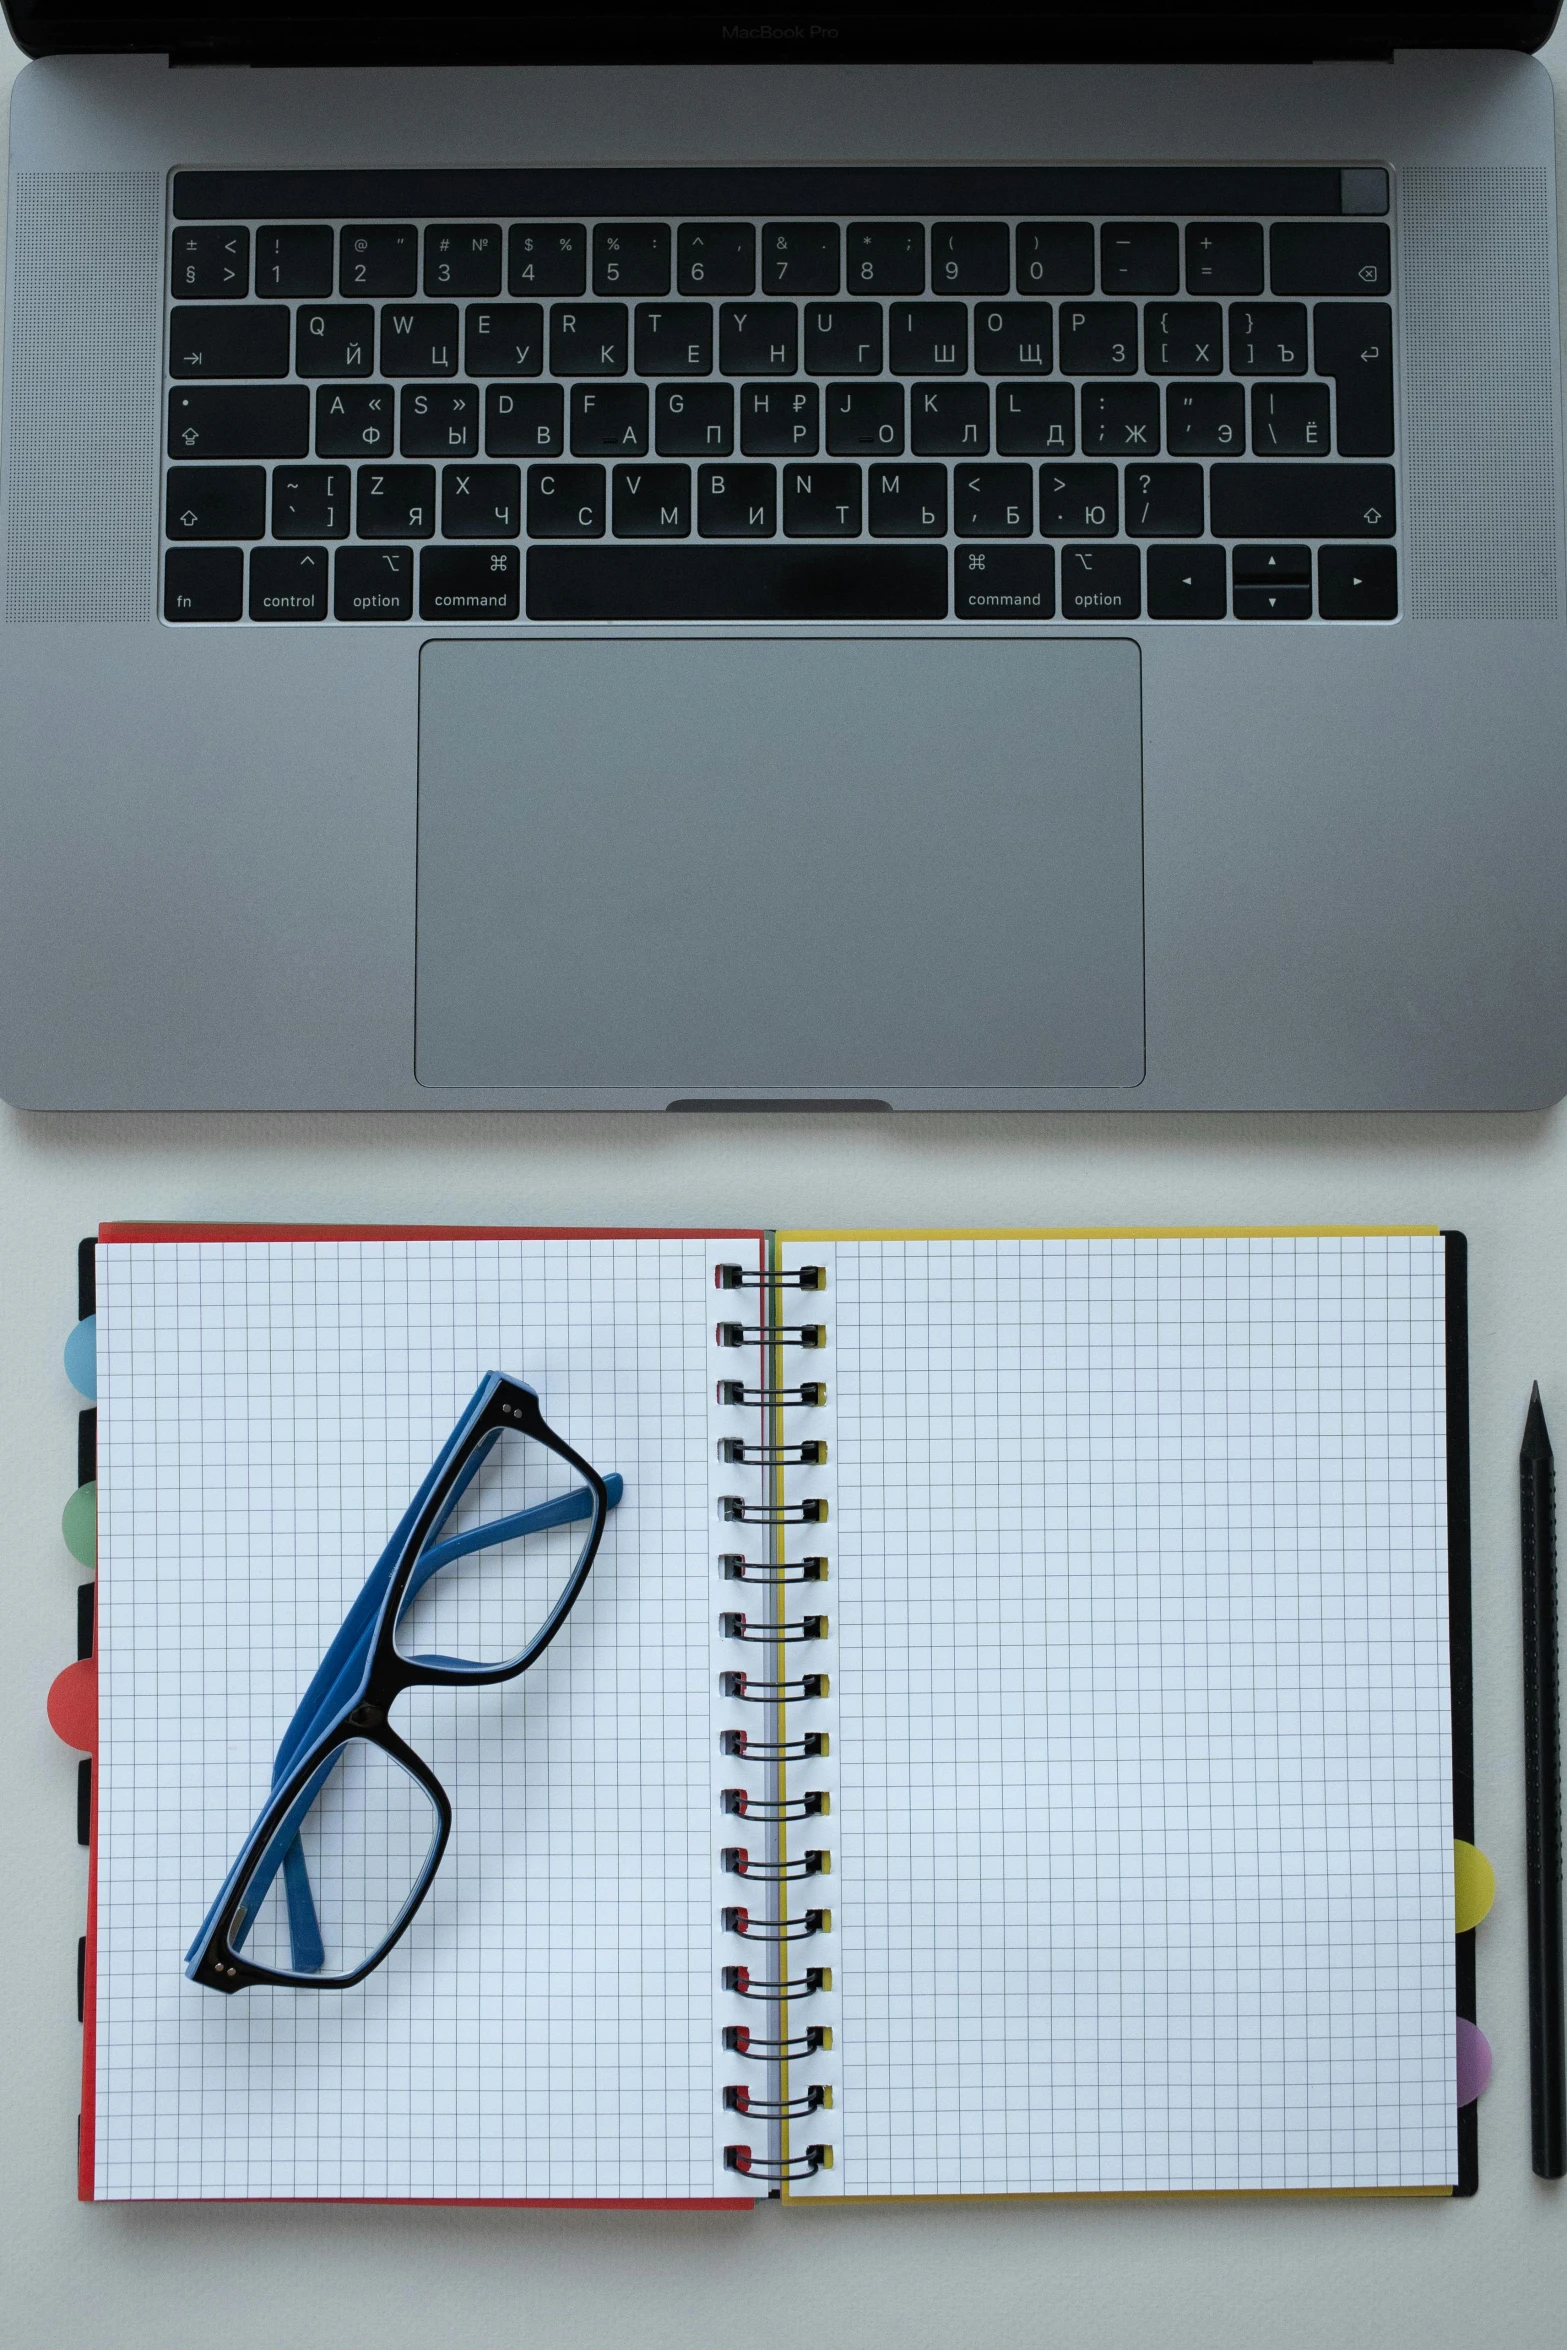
[(666, 559)]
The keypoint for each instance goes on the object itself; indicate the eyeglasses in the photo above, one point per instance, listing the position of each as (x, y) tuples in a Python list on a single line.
[(331, 1875)]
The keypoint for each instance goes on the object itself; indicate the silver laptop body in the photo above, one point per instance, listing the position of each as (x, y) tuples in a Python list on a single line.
[(1140, 684)]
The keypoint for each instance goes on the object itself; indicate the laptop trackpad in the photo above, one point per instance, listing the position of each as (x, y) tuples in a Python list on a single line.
[(825, 862)]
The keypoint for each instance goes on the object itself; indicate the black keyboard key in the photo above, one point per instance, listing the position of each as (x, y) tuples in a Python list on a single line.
[(780, 420), (993, 501), (822, 501), (884, 257), (356, 421), (800, 257), (1055, 257), (716, 257), (240, 420), (738, 583), (215, 502), (379, 259), (842, 338), (1035, 420), (548, 257), (419, 338), (1099, 338), (1291, 420), (203, 583), (481, 501), (566, 502), (1004, 583), (970, 257), (470, 583), (928, 338), (1205, 420), (1120, 420), (295, 264), (758, 338), (1187, 583), (1223, 257), (396, 501), (1013, 338), (1302, 501), (1330, 257), (440, 420), (1101, 583), (1139, 257), (462, 257), (335, 339), (505, 338), (311, 502), (674, 338), (1079, 501), (631, 257), (950, 420), (1184, 338), (1355, 346), (589, 338), (530, 422), (373, 583), (737, 501), (210, 265), (289, 583), (1268, 338), (227, 343), (1357, 583), (864, 420), (609, 420), (1164, 501), (651, 501), (908, 501), (1269, 603), (694, 420), (1271, 566)]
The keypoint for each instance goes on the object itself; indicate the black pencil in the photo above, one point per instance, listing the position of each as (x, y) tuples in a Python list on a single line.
[(1543, 1797)]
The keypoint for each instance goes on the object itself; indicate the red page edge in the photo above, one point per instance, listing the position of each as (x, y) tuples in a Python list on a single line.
[(111, 1233)]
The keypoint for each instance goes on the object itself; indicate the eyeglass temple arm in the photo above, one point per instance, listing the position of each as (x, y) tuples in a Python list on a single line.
[(304, 1931)]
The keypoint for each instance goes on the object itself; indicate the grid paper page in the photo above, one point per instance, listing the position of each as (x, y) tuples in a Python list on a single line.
[(545, 2028), (1143, 1872)]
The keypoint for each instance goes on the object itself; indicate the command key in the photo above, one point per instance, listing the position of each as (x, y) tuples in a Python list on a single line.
[(1005, 583)]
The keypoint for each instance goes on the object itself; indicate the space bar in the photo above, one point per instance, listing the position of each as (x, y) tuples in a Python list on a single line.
[(737, 583)]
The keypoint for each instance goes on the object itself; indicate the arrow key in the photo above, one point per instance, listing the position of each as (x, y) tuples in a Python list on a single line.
[(288, 583), (1186, 583), (1358, 583), (1269, 603), (1272, 566), (215, 502)]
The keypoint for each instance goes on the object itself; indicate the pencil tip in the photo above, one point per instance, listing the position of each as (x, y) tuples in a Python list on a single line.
[(1536, 1442)]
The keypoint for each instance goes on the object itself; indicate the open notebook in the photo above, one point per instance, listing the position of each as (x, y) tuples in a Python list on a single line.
[(1110, 1612)]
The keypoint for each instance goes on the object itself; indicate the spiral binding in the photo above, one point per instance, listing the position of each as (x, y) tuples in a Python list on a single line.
[(768, 1928)]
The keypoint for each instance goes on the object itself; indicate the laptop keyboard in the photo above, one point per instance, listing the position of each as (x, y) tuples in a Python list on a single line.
[(765, 395)]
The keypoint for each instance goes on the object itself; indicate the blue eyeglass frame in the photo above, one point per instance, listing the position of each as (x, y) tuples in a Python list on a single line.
[(362, 1674)]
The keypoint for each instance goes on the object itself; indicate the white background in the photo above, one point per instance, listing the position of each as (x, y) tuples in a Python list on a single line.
[(1108, 2275)]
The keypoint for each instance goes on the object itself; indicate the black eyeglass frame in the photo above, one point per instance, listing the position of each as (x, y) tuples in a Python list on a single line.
[(502, 1406)]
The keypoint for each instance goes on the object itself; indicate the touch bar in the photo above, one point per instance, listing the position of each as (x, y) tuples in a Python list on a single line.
[(1208, 189), (737, 583)]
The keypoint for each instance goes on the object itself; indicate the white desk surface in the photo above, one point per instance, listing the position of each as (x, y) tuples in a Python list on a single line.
[(1222, 2274)]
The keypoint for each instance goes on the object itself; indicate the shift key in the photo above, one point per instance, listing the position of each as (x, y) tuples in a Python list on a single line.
[(1301, 501), (240, 420)]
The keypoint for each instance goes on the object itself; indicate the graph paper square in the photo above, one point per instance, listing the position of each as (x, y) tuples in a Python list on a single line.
[(266, 1410), (1143, 1829)]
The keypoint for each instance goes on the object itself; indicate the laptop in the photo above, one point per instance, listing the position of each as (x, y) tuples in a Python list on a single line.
[(870, 559)]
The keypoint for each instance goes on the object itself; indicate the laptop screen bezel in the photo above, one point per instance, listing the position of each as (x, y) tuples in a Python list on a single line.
[(366, 32)]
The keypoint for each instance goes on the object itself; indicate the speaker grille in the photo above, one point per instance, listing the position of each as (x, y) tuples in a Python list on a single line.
[(1480, 469), (85, 365)]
